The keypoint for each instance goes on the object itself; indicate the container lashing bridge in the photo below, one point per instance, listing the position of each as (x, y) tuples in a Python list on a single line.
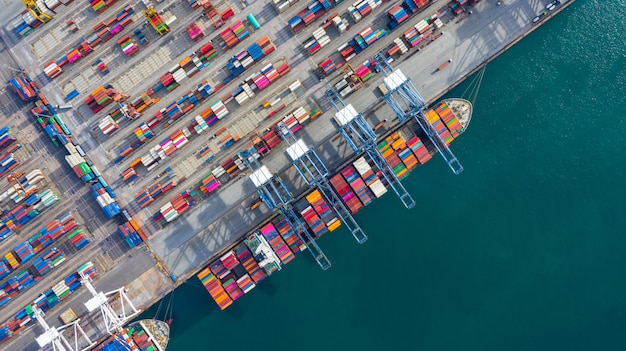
[(314, 172), (277, 197), (361, 138), (407, 102)]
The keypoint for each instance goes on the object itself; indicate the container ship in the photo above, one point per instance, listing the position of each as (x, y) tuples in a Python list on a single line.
[(145, 334), (357, 183)]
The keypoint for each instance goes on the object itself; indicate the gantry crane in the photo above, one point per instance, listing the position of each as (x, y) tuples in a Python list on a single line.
[(35, 11), (314, 172), (114, 320), (361, 138), (53, 336), (155, 20), (277, 197), (126, 108), (410, 103), (17, 185)]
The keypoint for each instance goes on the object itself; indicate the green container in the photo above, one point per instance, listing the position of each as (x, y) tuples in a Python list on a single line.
[(58, 260), (84, 168), (74, 233)]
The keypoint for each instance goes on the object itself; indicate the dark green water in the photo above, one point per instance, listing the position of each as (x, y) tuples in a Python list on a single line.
[(525, 250)]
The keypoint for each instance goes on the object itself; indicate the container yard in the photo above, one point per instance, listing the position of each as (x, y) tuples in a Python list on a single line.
[(214, 140)]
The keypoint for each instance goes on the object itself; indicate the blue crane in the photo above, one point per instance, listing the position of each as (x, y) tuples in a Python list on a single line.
[(314, 172), (361, 138), (407, 102), (275, 194)]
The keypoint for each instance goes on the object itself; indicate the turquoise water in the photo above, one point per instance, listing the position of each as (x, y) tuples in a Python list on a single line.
[(525, 250)]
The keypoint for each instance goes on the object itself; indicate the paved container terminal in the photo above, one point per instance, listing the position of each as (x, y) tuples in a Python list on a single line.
[(217, 222)]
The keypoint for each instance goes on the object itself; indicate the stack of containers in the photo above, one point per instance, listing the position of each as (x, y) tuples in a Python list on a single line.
[(4, 270), (223, 269), (102, 67), (347, 195), (178, 73), (142, 38), (266, 45), (271, 138), (439, 126), (101, 5), (419, 150), (296, 24), (129, 175), (363, 72), (22, 29), (78, 238), (142, 102), (328, 66), (240, 30), (404, 153), (129, 234), (323, 210), (52, 70), (173, 209), (291, 238), (11, 261), (194, 31), (24, 87), (369, 36), (260, 80), (369, 177), (385, 149), (256, 273), (412, 37), (207, 52), (108, 126), (105, 197), (128, 45), (214, 288), (80, 167), (168, 81), (99, 98), (424, 28), (219, 109), (317, 41), (229, 38), (357, 184), (347, 52), (154, 191), (7, 163), (292, 123), (276, 242), (50, 259), (450, 119), (24, 252), (158, 24), (397, 15), (364, 7), (312, 219), (209, 183)]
